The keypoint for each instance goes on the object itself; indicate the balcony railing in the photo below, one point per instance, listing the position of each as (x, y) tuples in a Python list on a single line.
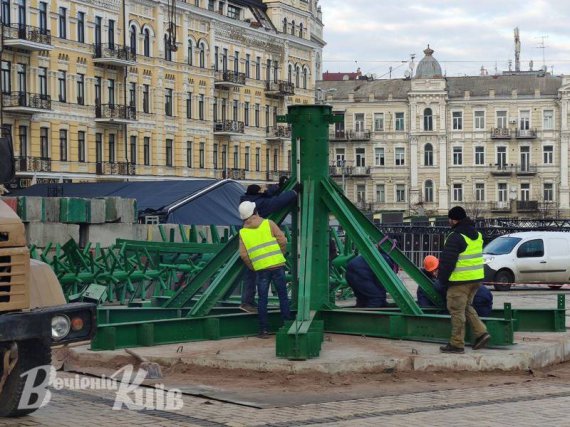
[(115, 113), (349, 170), (338, 135), (230, 78), (278, 132), (359, 135), (501, 170), (229, 126), (115, 168), (500, 206), (33, 164), (526, 133), (27, 37), (527, 170), (280, 88), (500, 133), (527, 205), (25, 101), (114, 54), (236, 174), (364, 206), (127, 168)]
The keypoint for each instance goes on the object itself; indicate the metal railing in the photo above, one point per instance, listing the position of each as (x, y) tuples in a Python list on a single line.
[(115, 111), (501, 169), (115, 168), (504, 206), (281, 87), (527, 169), (28, 33), (279, 131), (33, 164), (231, 77), (26, 100), (359, 135), (500, 133), (349, 170), (229, 126), (113, 51), (338, 135), (526, 133), (527, 205)]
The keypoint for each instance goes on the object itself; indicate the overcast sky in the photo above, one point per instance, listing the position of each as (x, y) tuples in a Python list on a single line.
[(465, 34)]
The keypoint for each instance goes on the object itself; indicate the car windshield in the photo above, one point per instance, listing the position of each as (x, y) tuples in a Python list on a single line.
[(501, 246)]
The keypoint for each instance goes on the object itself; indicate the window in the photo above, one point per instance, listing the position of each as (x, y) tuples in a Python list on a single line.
[(480, 156), (305, 78), (524, 119), (258, 68), (62, 95), (42, 75), (236, 62), (97, 90), (146, 150), (457, 192), (256, 116), (97, 30), (275, 70), (301, 30), (190, 53), (525, 192), (201, 107), (233, 11), (257, 159), (479, 120), (111, 148), (399, 117), (81, 27), (81, 89), (202, 155), (21, 12), (548, 192), (146, 42), (525, 158), (215, 156), (380, 193), (62, 23), (428, 155), (111, 34), (167, 48), (548, 154), (502, 119), (340, 157), (360, 154), (479, 192), (63, 145), (548, 120), (378, 122), (379, 159), (247, 65), (188, 154), (168, 102), (400, 193), (6, 77), (284, 25), (133, 94), (457, 120), (21, 71), (98, 147), (428, 119), (290, 73), (133, 149), (133, 39), (43, 18), (236, 156), (224, 157), (202, 53), (359, 122), (44, 143), (399, 156), (189, 105), (457, 156), (428, 191), (246, 159), (81, 146), (246, 114), (531, 249), (502, 156), (502, 192), (235, 114), (23, 134), (111, 91), (146, 99), (297, 76), (169, 152)]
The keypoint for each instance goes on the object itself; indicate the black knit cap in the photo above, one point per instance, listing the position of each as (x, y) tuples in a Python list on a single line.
[(253, 189), (457, 213)]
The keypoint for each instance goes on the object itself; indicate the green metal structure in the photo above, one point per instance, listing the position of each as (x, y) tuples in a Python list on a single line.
[(194, 312)]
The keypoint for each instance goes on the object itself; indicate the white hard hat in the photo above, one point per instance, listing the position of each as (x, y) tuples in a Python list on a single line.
[(246, 209)]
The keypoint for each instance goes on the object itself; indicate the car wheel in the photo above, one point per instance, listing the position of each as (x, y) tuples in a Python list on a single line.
[(505, 277)]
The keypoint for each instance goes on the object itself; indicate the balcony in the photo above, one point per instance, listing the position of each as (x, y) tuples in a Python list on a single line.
[(526, 133), (236, 174), (279, 88), (33, 164), (349, 171), (500, 133), (26, 37), (501, 170), (338, 135), (228, 127), (275, 175), (500, 206), (114, 113), (112, 168), (527, 205), (527, 170), (359, 135), (278, 133), (364, 206), (229, 79), (25, 102), (113, 54)]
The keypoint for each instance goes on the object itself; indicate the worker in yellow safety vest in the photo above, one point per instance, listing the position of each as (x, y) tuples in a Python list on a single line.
[(262, 247), (461, 270)]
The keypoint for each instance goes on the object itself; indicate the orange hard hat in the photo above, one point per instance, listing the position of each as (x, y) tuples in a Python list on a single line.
[(431, 263)]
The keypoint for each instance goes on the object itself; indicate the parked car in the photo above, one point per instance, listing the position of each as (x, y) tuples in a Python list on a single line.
[(528, 257)]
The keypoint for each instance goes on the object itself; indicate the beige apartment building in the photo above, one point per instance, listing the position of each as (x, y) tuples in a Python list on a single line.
[(105, 90), (497, 145)]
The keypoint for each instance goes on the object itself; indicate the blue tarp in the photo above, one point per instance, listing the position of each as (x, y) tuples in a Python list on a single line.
[(217, 205)]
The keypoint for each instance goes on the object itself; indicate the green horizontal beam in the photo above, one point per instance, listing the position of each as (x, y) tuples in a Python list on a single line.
[(170, 247)]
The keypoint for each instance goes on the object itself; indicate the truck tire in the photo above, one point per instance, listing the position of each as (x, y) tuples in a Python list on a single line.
[(506, 277), (31, 354)]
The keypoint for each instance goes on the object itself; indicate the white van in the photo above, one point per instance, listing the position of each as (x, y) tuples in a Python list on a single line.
[(528, 257)]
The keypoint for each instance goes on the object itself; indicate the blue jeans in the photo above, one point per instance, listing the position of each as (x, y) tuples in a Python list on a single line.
[(248, 289), (264, 278)]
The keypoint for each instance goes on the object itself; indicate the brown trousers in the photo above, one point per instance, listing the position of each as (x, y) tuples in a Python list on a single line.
[(459, 300)]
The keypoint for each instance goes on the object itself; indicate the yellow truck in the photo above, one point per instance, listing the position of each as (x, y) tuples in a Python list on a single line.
[(34, 315)]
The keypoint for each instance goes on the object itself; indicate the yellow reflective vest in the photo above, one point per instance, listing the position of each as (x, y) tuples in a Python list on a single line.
[(470, 264), (262, 248)]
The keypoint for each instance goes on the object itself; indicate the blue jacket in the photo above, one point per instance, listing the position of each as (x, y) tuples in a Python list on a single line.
[(270, 202)]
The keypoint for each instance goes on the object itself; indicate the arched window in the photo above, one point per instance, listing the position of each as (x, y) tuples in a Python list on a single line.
[(428, 155), (290, 73), (284, 25), (133, 38), (190, 53), (305, 74), (167, 48), (428, 119), (147, 42), (292, 28), (428, 191), (297, 77), (301, 30), (202, 55)]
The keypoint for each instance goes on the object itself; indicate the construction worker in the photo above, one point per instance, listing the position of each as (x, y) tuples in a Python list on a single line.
[(272, 200), (461, 272), (262, 247), (482, 302)]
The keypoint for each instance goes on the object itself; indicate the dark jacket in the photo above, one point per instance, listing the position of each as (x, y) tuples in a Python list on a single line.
[(483, 301), (270, 202), (454, 245), (423, 300)]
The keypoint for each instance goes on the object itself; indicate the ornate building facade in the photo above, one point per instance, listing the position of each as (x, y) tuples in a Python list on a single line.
[(97, 90), (497, 145)]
